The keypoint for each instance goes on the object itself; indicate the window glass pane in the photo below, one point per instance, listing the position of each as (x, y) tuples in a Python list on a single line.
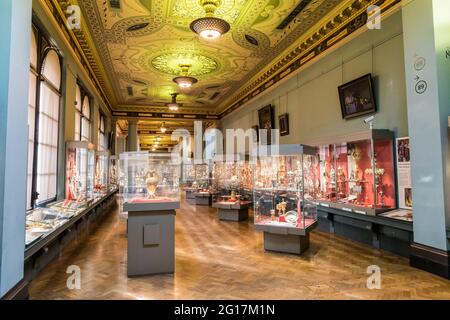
[(78, 99), (33, 50), (86, 108), (85, 130), (52, 69), (77, 125), (47, 143), (31, 126)]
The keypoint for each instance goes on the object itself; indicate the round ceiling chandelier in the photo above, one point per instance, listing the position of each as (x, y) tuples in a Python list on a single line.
[(174, 105), (185, 81), (210, 27), (163, 127)]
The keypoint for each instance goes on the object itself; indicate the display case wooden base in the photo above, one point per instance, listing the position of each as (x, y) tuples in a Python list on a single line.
[(289, 243), (151, 238), (285, 239), (203, 199), (190, 193), (232, 211)]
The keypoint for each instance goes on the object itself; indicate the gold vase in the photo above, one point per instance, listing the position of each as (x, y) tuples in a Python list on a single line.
[(151, 182)]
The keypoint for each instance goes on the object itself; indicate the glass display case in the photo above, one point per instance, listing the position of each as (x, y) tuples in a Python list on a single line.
[(79, 194), (356, 173), (232, 178), (80, 163), (285, 187), (113, 172), (101, 185), (149, 178), (196, 175)]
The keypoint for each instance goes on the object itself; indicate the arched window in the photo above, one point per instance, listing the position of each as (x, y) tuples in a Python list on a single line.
[(78, 113), (43, 121), (47, 151), (32, 82), (86, 120), (101, 133), (82, 115)]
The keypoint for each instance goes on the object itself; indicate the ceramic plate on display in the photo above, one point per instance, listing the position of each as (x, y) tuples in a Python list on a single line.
[(291, 217)]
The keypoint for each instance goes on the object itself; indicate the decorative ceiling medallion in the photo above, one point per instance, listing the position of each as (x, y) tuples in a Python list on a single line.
[(190, 9), (169, 63)]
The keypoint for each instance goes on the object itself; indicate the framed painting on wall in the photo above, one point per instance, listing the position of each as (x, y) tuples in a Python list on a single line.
[(357, 97), (266, 120), (284, 124)]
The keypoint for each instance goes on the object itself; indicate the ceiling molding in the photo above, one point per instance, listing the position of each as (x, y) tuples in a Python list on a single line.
[(78, 44), (322, 26)]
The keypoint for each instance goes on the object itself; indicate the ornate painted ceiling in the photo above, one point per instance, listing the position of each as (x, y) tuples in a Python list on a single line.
[(141, 44)]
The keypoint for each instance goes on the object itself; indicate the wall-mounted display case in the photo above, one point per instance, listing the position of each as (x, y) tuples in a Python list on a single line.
[(101, 185), (80, 167), (149, 178), (356, 173), (84, 174)]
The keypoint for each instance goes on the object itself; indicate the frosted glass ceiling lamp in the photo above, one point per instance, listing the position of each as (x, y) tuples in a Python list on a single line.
[(210, 27), (163, 128), (185, 81), (174, 106)]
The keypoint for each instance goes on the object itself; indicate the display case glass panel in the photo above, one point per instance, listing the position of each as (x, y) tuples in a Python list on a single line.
[(101, 186), (196, 175), (79, 185), (326, 173), (358, 175), (281, 197), (150, 178), (113, 172), (232, 178)]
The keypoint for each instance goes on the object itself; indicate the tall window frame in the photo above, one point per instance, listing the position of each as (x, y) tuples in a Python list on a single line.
[(101, 146), (44, 120), (83, 114)]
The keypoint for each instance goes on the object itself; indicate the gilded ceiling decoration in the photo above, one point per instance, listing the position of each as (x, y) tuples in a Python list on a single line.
[(137, 46), (142, 44)]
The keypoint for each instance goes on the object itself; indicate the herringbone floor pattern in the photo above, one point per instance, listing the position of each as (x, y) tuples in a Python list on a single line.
[(226, 260)]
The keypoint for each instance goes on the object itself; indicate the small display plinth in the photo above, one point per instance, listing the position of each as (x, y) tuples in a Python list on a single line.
[(144, 204), (190, 192), (203, 198), (286, 239), (151, 236), (232, 211), (286, 243)]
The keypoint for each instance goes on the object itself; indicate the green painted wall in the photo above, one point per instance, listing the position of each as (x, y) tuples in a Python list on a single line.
[(311, 98)]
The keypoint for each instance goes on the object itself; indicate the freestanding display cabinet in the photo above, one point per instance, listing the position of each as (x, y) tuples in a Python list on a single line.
[(151, 196), (196, 177), (356, 173), (229, 175), (285, 207)]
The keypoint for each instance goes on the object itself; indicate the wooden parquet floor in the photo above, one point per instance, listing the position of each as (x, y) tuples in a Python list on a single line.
[(226, 260)]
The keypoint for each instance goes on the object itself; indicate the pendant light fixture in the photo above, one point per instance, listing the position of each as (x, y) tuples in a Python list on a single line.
[(174, 106), (210, 27), (163, 127), (184, 80)]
